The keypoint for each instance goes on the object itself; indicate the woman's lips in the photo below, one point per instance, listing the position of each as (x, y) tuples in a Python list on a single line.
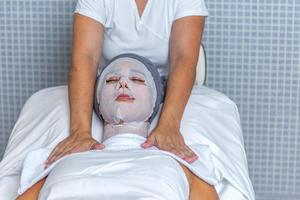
[(124, 97)]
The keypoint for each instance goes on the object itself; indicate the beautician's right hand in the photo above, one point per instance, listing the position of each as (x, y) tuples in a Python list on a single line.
[(72, 144)]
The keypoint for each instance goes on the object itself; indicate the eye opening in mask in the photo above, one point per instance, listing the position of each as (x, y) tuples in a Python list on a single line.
[(112, 79), (138, 80)]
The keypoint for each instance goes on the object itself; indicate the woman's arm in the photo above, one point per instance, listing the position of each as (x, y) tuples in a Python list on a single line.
[(87, 48), (86, 51), (199, 189), (184, 51), (33, 192)]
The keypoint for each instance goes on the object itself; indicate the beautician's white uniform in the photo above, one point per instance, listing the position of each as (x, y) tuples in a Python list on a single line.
[(126, 32)]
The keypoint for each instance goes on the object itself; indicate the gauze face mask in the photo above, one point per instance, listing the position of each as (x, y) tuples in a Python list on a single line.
[(126, 94)]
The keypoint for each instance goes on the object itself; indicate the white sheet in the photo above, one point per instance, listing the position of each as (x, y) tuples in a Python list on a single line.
[(123, 166), (210, 118)]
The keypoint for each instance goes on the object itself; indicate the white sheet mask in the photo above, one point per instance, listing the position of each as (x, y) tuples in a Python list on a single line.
[(126, 94)]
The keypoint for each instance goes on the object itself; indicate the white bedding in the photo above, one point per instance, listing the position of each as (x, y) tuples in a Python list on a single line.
[(121, 167), (210, 119)]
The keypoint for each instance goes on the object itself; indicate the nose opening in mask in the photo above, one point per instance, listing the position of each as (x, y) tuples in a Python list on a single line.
[(123, 83)]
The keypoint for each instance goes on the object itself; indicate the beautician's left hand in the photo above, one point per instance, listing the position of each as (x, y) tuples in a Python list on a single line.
[(170, 139)]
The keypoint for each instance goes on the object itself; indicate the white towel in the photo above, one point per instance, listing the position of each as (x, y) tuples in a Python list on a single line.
[(122, 157)]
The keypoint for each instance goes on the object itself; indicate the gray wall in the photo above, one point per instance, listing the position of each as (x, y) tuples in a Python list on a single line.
[(253, 51), (35, 52)]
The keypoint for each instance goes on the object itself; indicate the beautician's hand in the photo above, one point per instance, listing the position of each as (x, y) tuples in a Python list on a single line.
[(72, 144), (170, 139)]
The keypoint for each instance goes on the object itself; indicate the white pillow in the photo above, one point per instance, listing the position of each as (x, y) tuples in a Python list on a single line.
[(201, 67)]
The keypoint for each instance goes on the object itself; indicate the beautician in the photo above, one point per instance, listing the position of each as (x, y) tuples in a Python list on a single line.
[(168, 32)]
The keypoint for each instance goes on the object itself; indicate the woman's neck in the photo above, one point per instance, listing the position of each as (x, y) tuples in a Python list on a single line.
[(138, 128)]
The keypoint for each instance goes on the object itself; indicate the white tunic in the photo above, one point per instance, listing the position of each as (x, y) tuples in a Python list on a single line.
[(148, 35)]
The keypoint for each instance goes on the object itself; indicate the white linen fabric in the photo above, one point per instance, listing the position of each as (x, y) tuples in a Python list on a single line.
[(126, 32), (122, 166), (210, 119)]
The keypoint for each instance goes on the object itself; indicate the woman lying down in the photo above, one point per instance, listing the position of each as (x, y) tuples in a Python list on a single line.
[(127, 97)]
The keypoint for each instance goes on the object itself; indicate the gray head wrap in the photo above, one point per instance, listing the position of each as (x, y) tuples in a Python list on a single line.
[(151, 68)]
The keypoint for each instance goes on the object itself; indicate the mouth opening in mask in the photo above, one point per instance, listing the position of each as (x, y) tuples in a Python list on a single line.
[(123, 97)]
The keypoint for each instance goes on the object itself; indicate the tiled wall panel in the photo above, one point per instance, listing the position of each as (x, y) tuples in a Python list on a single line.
[(35, 52), (253, 57)]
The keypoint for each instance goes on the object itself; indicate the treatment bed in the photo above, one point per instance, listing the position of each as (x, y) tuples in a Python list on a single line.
[(212, 130)]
